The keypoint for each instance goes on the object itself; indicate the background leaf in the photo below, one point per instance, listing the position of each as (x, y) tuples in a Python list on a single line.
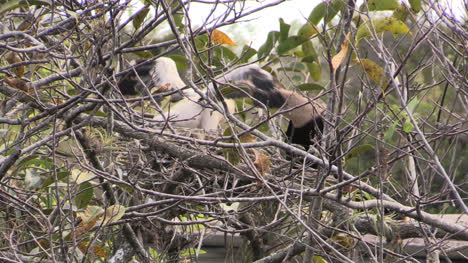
[(386, 24), (416, 5), (358, 151), (314, 70), (379, 5), (84, 196), (140, 17), (310, 87), (290, 43), (266, 48), (284, 30)]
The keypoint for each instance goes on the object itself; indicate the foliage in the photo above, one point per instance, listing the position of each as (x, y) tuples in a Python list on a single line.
[(86, 172)]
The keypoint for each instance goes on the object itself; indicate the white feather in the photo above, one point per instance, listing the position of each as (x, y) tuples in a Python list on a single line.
[(187, 112), (246, 73), (165, 72)]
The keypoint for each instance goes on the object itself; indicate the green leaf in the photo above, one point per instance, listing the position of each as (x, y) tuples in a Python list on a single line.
[(309, 51), (412, 105), (318, 259), (290, 43), (201, 42), (140, 17), (181, 61), (247, 53), (315, 70), (178, 20), (325, 9), (35, 160), (191, 251), (358, 151), (379, 5), (298, 78), (224, 56), (144, 54), (307, 30), (249, 101), (308, 59), (415, 5), (84, 196), (334, 7), (386, 24), (295, 67), (401, 13), (317, 13), (408, 127), (266, 48), (265, 127), (231, 154), (390, 131), (9, 5), (50, 179), (284, 30), (310, 87)]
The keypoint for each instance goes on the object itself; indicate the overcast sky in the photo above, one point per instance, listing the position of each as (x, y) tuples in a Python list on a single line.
[(291, 11)]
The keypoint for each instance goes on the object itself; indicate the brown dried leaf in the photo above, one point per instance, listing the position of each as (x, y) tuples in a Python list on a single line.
[(84, 228), (95, 249), (89, 217), (247, 138), (338, 59), (13, 58), (17, 84), (262, 162)]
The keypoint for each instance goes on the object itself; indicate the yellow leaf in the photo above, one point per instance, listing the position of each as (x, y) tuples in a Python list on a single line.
[(344, 240), (96, 249), (338, 59), (386, 24), (80, 177), (99, 251), (247, 137), (262, 162), (219, 37), (374, 71), (113, 213)]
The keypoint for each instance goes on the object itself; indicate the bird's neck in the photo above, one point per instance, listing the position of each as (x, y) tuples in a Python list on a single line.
[(302, 109)]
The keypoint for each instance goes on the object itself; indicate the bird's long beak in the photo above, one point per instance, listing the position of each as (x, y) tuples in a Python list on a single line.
[(177, 96), (181, 94)]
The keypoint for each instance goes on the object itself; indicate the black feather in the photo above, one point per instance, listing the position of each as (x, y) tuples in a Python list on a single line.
[(305, 135), (131, 82), (261, 80)]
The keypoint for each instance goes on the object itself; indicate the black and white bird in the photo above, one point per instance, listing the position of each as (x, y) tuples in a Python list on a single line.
[(305, 115), (191, 111), (306, 120)]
